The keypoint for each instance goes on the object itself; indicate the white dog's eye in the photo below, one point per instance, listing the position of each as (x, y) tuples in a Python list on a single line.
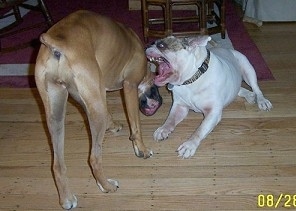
[(161, 45)]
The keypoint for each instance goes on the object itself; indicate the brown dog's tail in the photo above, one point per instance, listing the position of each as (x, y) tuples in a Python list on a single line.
[(52, 44)]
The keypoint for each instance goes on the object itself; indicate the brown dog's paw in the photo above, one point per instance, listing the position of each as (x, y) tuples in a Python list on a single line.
[(110, 187), (69, 203), (114, 127), (146, 153)]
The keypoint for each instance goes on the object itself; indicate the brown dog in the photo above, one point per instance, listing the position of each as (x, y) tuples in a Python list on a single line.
[(85, 55)]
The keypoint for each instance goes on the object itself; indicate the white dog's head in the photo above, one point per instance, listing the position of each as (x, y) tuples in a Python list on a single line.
[(175, 56)]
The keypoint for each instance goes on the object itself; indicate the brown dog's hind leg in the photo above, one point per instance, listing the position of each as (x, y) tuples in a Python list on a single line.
[(55, 99), (113, 126)]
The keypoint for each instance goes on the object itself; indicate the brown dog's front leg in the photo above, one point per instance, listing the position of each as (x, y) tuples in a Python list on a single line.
[(131, 100)]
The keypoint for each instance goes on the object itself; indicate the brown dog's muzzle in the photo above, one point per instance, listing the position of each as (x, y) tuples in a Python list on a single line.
[(150, 101)]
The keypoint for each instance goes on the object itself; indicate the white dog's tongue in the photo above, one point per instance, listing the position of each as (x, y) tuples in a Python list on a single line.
[(163, 73)]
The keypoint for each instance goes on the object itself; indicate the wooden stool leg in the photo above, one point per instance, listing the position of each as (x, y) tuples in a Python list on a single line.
[(203, 21), (168, 18), (222, 14), (45, 12), (145, 20)]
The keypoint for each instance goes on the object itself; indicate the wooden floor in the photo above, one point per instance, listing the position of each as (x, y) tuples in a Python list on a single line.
[(250, 153)]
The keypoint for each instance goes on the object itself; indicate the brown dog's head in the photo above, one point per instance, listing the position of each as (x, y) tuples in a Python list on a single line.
[(149, 98)]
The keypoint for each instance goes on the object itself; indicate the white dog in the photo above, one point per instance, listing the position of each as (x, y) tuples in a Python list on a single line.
[(202, 80)]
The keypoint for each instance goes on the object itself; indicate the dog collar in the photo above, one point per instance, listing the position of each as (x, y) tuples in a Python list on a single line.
[(201, 70)]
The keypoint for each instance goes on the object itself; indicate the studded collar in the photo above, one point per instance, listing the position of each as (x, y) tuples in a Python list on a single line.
[(201, 70)]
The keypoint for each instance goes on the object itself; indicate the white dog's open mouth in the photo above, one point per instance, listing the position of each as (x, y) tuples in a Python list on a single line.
[(163, 69)]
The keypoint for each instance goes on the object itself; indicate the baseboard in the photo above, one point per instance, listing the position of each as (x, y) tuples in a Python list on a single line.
[(16, 69)]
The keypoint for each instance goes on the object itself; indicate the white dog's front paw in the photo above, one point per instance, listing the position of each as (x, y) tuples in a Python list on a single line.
[(161, 134), (187, 149), (264, 104)]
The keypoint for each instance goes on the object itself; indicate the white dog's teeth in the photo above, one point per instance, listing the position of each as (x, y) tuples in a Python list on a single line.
[(152, 59)]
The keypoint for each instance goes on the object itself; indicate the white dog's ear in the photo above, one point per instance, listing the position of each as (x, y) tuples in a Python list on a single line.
[(199, 41)]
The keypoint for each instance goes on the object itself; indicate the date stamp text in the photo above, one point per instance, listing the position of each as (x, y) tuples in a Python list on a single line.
[(276, 201)]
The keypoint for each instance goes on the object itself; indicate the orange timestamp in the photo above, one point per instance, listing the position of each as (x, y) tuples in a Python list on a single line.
[(276, 201)]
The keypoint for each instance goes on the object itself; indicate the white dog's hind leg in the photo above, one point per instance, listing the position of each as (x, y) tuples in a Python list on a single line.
[(250, 77), (248, 95), (263, 103)]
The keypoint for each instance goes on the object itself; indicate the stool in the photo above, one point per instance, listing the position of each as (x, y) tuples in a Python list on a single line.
[(213, 17), (162, 25)]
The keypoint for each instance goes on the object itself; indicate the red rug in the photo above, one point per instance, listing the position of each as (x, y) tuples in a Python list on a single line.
[(119, 11)]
